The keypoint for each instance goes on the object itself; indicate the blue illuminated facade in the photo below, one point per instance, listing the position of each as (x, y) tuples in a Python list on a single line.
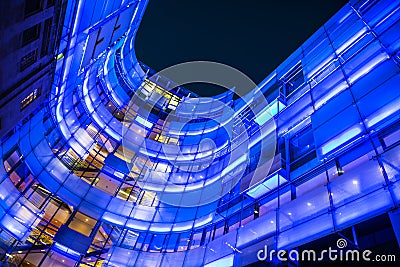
[(88, 178)]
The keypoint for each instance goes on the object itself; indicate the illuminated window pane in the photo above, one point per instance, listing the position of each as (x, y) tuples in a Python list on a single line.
[(30, 98), (82, 224)]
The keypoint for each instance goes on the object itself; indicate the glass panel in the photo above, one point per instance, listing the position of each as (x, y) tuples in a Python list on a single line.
[(359, 178), (82, 224)]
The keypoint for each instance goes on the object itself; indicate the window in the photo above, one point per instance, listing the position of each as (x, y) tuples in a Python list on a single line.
[(82, 224), (32, 7), (50, 3), (30, 98), (293, 79), (12, 160), (46, 40), (390, 136), (302, 148), (28, 59), (21, 177), (31, 34), (18, 171), (272, 90)]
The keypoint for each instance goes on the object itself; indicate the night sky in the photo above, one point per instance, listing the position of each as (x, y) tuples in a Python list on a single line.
[(253, 36)]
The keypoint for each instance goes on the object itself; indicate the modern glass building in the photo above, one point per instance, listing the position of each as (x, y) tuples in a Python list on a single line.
[(122, 166)]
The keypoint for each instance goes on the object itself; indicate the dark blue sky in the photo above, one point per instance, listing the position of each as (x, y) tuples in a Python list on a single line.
[(254, 36)]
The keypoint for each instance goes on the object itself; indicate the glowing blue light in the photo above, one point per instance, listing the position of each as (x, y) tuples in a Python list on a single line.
[(113, 219), (85, 91), (269, 112), (160, 227), (224, 262), (138, 225), (368, 67), (108, 71), (351, 40), (320, 66), (268, 185), (77, 19), (333, 92), (94, 115), (144, 122), (203, 221), (383, 113), (184, 226), (341, 139), (66, 250), (267, 80), (265, 132), (234, 165)]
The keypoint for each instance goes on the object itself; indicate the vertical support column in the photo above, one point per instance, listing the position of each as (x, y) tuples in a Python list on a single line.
[(287, 159), (395, 220)]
